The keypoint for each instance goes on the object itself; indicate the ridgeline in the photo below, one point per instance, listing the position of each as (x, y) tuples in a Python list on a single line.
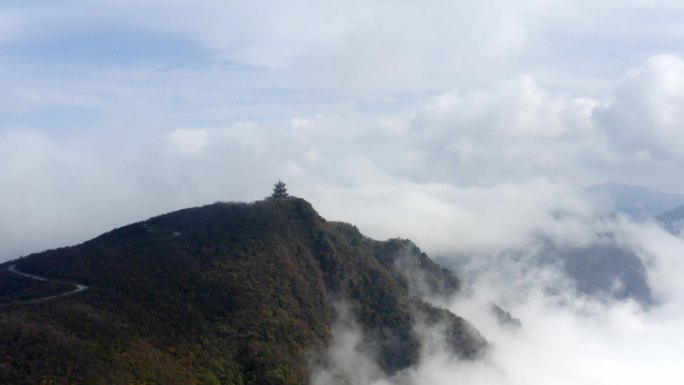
[(229, 293)]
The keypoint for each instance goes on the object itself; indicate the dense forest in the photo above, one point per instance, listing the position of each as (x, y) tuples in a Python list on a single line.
[(228, 293)]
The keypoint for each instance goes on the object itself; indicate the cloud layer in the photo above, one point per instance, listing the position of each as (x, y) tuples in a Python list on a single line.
[(566, 338), (505, 159)]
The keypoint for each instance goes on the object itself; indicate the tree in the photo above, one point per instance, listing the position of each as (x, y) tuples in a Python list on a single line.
[(279, 191)]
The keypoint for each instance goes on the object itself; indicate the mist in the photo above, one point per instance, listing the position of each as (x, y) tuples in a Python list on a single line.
[(566, 337)]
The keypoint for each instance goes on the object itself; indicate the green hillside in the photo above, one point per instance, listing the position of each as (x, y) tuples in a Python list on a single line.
[(229, 293)]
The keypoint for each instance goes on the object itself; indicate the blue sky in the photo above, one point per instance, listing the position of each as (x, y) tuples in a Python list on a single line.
[(112, 111)]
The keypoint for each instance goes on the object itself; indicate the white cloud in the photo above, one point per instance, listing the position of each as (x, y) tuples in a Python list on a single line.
[(442, 218), (52, 194), (189, 142), (565, 338), (644, 120), (569, 339), (435, 173), (519, 108), (493, 158), (346, 360)]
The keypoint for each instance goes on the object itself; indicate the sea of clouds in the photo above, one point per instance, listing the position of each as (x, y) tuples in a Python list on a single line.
[(566, 337)]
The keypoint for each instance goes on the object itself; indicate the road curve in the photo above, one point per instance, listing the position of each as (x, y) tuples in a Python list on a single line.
[(79, 288)]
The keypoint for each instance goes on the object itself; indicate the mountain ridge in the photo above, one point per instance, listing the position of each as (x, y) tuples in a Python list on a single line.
[(639, 202), (231, 293)]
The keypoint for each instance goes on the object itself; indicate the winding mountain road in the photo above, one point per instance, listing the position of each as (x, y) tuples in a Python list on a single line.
[(79, 287)]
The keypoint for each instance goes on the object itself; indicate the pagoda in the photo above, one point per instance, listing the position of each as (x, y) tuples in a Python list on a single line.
[(279, 191)]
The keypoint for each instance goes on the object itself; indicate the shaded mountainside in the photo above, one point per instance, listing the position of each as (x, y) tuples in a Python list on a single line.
[(229, 293), (608, 270), (673, 220)]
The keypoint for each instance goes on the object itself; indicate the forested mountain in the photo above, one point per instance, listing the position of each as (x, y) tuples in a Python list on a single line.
[(229, 293)]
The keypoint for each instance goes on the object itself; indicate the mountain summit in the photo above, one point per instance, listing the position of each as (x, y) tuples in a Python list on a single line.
[(229, 293)]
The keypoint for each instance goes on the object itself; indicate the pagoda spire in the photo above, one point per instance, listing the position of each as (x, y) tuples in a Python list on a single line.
[(279, 191)]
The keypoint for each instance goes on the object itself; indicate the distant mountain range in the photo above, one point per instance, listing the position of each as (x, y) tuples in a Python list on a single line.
[(605, 269), (639, 202), (642, 203), (229, 293), (672, 220)]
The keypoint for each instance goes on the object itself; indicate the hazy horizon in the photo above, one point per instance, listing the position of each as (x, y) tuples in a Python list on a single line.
[(113, 111)]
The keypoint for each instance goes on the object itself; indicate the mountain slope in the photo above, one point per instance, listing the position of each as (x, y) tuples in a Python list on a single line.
[(607, 270), (672, 220), (228, 293)]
